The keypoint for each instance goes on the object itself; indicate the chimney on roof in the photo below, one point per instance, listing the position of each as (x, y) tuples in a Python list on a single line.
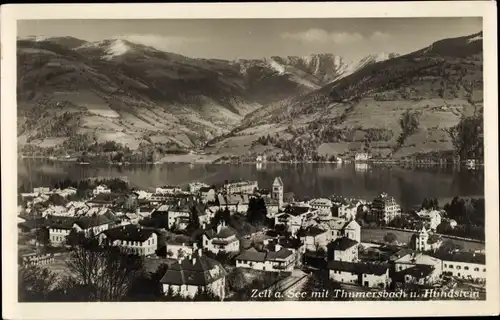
[(203, 225), (200, 252), (183, 244), (195, 246)]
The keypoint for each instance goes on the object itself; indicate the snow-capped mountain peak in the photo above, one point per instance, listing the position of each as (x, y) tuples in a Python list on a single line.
[(116, 48), (373, 58), (111, 48)]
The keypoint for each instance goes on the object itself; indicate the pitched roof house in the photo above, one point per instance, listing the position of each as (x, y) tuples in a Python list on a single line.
[(132, 239), (223, 238), (191, 274), (274, 261)]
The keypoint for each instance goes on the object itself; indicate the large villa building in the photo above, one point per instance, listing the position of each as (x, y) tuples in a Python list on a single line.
[(385, 208), (188, 276)]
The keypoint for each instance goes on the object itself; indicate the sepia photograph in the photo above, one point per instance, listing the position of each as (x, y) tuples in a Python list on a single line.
[(284, 159)]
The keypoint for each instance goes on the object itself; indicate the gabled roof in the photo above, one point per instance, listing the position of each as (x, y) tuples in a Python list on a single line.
[(320, 202), (310, 232), (282, 254), (358, 267), (179, 240), (296, 210), (200, 273), (461, 256), (205, 189), (128, 233), (225, 232), (278, 182), (285, 242), (55, 222), (342, 244), (93, 221), (260, 256), (252, 255), (349, 223)]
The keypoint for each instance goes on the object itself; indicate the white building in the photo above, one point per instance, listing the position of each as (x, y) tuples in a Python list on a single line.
[(41, 190), (412, 259), (323, 205), (273, 261), (207, 194), (314, 238), (296, 217), (466, 265), (385, 209), (347, 211), (344, 249), (168, 190), (247, 187), (55, 211), (70, 191), (179, 250), (101, 189), (132, 239), (206, 216), (92, 225), (60, 227), (59, 230), (425, 241), (141, 194), (234, 202), (339, 228), (194, 187), (363, 156), (192, 274), (177, 215), (223, 239), (365, 274)]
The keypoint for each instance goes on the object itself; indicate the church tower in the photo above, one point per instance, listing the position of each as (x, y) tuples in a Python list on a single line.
[(277, 193)]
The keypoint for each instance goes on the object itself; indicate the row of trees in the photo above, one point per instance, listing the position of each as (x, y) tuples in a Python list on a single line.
[(469, 213), (468, 137), (97, 273), (409, 123)]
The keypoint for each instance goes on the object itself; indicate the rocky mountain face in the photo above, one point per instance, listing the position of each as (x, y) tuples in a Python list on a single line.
[(130, 93), (362, 110)]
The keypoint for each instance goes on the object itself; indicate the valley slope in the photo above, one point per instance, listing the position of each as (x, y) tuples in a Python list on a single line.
[(72, 93), (361, 111)]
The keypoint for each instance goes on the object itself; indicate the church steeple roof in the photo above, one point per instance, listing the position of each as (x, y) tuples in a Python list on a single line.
[(278, 182)]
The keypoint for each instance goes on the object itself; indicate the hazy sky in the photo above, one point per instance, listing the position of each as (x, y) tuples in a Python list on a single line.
[(257, 38)]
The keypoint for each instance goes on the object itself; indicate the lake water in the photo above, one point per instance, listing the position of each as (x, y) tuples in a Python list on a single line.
[(408, 185)]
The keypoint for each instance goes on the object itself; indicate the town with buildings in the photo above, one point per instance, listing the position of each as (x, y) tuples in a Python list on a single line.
[(239, 239)]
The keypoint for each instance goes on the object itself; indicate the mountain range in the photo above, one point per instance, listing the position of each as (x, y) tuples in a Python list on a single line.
[(361, 111), (130, 93)]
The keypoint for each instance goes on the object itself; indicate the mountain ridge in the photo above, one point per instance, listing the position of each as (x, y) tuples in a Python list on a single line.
[(361, 111), (131, 93)]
